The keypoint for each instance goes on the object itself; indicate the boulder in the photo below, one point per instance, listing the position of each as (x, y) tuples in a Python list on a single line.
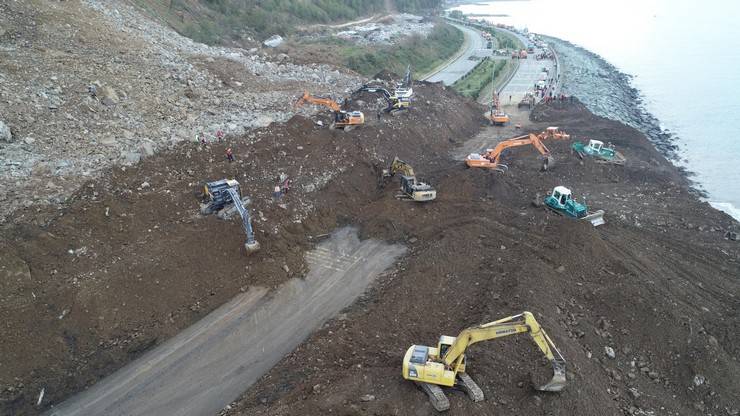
[(146, 149), (273, 41), (108, 95), (5, 133)]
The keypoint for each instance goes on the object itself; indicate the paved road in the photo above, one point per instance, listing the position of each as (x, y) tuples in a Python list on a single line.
[(526, 76), (207, 366), (476, 46)]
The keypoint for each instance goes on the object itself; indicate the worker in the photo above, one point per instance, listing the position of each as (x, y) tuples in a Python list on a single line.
[(510, 99), (219, 135), (378, 115), (229, 155)]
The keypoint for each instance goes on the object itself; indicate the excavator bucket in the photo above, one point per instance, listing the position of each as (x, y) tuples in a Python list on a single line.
[(558, 382)]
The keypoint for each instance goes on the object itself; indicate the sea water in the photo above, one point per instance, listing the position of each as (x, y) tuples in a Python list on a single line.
[(684, 57)]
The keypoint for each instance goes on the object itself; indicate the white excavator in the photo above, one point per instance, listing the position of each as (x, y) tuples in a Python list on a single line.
[(444, 366)]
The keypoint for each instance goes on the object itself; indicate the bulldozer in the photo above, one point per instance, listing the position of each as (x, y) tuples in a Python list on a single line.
[(432, 368), (597, 150), (491, 159), (410, 188), (345, 120), (225, 194), (561, 201)]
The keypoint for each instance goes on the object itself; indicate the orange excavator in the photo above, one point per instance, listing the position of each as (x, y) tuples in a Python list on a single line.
[(497, 117), (346, 120), (491, 159)]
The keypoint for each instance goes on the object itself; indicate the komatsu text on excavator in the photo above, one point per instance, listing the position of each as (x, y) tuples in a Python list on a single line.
[(444, 365), (346, 120)]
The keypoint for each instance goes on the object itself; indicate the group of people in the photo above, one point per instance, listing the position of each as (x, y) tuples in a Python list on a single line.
[(281, 188), (201, 137)]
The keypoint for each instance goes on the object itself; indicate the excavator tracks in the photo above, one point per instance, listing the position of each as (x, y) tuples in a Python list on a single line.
[(466, 383), (436, 395)]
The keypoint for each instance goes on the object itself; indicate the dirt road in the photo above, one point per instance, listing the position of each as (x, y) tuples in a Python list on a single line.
[(204, 368)]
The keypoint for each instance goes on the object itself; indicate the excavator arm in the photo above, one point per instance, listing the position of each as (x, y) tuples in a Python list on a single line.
[(326, 102), (495, 154), (517, 324)]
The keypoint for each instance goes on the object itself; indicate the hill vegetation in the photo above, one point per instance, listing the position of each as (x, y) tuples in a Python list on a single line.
[(422, 53), (217, 21)]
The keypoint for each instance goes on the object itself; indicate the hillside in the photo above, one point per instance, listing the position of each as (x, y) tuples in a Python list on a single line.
[(105, 256), (223, 21)]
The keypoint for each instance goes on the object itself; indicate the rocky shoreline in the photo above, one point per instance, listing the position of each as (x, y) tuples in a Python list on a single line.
[(607, 92)]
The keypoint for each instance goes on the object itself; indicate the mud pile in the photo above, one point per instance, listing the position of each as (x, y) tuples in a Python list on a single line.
[(657, 285), (128, 262)]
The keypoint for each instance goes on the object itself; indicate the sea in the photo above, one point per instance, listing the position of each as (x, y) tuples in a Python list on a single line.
[(682, 57)]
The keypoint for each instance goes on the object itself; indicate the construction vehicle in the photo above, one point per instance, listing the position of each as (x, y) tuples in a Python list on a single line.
[(404, 88), (491, 159), (445, 365), (496, 116), (561, 201), (597, 150), (346, 120), (225, 195), (395, 104), (527, 101), (410, 188)]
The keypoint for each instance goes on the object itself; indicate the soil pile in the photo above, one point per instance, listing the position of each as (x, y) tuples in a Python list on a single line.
[(656, 286), (128, 261)]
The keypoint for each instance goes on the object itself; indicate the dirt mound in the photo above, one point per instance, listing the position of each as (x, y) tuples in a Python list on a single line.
[(648, 285), (128, 262)]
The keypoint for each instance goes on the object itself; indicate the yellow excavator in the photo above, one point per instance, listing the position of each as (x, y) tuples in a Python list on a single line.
[(491, 159), (444, 365), (410, 188), (346, 120)]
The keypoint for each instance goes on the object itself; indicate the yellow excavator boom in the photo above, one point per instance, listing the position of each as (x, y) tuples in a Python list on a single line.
[(431, 368)]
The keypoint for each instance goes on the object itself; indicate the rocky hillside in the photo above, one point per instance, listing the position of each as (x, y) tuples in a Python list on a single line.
[(85, 85)]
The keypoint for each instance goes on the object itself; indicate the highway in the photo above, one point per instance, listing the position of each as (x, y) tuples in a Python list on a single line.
[(462, 64)]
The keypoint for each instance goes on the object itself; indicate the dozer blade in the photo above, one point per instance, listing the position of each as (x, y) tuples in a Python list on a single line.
[(595, 218), (558, 381), (437, 397), (466, 384)]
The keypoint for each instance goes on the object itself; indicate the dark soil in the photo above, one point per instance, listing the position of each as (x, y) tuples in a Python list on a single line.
[(657, 283)]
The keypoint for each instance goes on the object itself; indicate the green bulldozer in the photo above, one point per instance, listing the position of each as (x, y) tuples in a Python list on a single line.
[(561, 201), (597, 150)]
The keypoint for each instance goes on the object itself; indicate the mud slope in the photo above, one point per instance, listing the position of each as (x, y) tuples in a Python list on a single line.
[(658, 284), (127, 263)]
